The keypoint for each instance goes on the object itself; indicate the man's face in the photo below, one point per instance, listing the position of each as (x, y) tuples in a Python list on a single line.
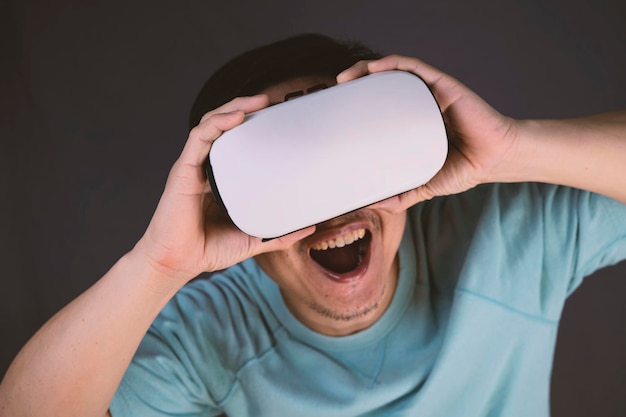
[(341, 279)]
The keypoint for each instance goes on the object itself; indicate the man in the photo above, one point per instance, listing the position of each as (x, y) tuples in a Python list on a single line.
[(447, 307)]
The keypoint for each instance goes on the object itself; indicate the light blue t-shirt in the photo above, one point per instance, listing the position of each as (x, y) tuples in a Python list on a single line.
[(470, 331)]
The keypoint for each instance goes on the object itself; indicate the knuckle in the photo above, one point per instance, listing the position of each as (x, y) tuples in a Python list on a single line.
[(211, 113), (195, 132), (362, 64), (233, 105), (209, 119), (199, 133), (239, 100), (208, 115)]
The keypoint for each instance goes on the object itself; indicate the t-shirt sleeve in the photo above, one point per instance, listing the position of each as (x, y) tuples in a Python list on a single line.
[(579, 232), (600, 235), (529, 245), (176, 371)]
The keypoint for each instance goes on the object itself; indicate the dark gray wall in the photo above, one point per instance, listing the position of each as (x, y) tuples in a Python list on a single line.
[(94, 99)]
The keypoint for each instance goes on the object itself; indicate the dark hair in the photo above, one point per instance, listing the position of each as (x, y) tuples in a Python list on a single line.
[(262, 67)]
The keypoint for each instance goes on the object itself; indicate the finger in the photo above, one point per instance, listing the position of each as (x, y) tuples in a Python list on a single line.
[(357, 70), (412, 197), (285, 241), (244, 104), (403, 201), (388, 204), (427, 72), (201, 137), (214, 123), (446, 89)]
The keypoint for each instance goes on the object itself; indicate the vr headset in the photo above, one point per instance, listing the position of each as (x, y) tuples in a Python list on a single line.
[(308, 160)]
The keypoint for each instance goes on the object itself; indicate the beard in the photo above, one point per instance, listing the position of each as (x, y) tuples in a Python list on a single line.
[(352, 314)]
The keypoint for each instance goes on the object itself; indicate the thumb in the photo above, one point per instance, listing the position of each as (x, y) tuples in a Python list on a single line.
[(284, 242)]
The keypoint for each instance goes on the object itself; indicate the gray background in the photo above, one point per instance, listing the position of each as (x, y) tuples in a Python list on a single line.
[(94, 99)]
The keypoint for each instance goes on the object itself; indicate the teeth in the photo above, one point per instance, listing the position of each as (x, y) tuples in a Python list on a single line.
[(341, 241)]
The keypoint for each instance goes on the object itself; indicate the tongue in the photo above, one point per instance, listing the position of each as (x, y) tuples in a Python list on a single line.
[(339, 260)]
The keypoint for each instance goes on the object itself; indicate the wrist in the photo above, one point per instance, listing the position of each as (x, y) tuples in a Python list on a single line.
[(160, 278), (520, 161)]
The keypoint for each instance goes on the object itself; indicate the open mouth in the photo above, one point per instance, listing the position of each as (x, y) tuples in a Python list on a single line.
[(342, 254)]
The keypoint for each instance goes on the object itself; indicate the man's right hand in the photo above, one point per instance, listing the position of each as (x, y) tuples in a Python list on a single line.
[(189, 233), (75, 362)]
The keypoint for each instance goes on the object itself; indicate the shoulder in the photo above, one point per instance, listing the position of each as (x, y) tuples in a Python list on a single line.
[(524, 245), (194, 349), (503, 202), (222, 313)]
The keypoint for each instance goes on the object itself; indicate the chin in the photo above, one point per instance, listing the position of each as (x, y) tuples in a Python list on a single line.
[(357, 310)]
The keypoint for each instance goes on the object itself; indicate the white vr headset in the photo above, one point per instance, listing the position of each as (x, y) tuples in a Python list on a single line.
[(305, 161)]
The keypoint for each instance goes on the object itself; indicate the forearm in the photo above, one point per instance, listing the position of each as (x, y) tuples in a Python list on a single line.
[(587, 153), (74, 364)]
